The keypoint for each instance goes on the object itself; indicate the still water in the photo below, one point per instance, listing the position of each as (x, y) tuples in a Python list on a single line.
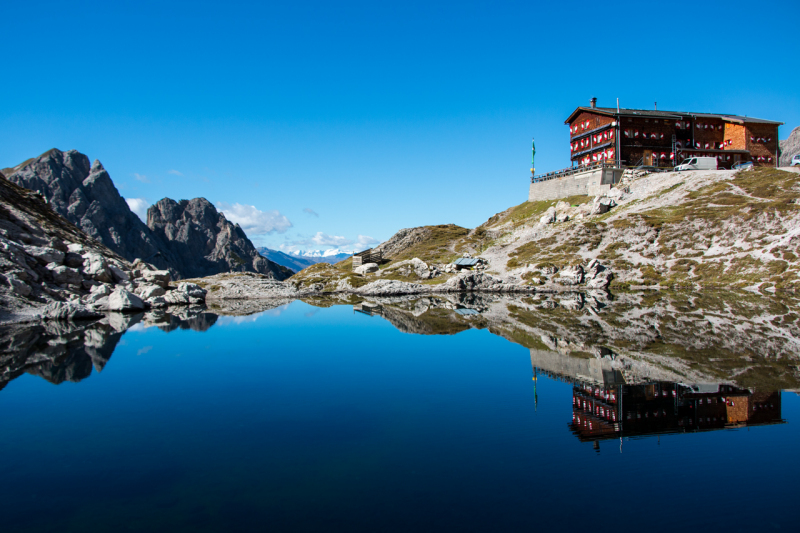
[(376, 418)]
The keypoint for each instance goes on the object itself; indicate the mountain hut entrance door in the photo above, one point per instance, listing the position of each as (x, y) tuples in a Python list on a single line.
[(648, 158)]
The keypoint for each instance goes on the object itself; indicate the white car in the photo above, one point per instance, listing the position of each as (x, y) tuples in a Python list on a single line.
[(795, 161)]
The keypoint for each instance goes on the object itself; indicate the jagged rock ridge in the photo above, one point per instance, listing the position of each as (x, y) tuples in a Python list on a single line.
[(188, 238), (51, 269), (85, 195), (205, 242), (790, 147)]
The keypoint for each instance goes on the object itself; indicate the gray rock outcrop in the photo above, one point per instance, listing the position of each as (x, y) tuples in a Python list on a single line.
[(790, 147), (205, 243), (366, 269), (187, 238), (84, 194), (50, 269)]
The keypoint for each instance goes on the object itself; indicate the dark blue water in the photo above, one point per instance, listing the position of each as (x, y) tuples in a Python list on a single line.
[(308, 419)]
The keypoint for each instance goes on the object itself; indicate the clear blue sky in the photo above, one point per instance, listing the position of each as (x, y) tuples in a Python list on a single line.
[(360, 118)]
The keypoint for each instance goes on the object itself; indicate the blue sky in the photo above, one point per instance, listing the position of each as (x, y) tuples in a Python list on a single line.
[(322, 124)]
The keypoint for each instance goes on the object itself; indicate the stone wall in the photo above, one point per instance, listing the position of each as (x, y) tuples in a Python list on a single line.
[(591, 183), (592, 370)]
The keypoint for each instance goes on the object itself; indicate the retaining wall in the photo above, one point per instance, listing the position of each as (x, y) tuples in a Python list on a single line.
[(591, 183)]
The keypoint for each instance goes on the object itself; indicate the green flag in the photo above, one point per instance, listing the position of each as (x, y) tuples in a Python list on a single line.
[(533, 155)]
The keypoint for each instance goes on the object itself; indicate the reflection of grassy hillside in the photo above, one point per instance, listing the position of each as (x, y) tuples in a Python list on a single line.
[(728, 336), (738, 337)]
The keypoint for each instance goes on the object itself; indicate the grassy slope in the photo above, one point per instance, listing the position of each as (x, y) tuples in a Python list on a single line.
[(731, 233)]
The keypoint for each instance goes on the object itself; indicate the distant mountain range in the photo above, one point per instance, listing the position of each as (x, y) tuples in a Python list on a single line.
[(297, 261)]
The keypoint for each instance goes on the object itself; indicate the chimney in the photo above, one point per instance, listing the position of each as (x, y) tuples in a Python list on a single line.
[(594, 102), (655, 105)]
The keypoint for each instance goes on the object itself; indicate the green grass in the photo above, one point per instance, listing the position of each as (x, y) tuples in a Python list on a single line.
[(437, 245)]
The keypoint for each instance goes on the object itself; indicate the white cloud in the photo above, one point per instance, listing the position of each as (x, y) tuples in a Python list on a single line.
[(139, 206), (323, 239), (175, 172), (310, 212), (254, 221), (365, 240), (140, 177)]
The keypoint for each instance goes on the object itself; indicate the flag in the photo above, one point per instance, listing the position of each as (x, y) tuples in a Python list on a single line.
[(533, 154)]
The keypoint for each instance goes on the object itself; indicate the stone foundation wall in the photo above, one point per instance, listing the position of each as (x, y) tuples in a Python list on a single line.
[(591, 183)]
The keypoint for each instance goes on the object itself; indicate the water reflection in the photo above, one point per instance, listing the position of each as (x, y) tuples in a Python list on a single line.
[(612, 412), (69, 351), (745, 340)]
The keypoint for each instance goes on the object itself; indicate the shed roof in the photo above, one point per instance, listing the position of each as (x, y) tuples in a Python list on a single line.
[(466, 261)]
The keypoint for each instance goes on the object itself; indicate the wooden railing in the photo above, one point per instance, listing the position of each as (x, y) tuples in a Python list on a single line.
[(367, 256)]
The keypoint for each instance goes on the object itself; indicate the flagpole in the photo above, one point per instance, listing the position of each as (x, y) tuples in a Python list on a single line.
[(533, 155)]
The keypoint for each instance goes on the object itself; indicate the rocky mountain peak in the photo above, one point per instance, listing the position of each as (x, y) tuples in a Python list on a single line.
[(205, 242), (189, 238), (84, 194)]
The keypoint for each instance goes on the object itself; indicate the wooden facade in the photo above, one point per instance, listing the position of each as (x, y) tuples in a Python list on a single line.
[(633, 137)]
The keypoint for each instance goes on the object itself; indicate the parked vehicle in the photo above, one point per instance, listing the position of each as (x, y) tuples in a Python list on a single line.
[(698, 163), (795, 161), (743, 166)]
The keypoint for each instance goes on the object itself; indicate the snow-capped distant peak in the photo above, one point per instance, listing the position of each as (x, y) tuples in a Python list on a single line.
[(320, 253)]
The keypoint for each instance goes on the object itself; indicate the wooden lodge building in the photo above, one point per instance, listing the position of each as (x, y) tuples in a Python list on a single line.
[(634, 137)]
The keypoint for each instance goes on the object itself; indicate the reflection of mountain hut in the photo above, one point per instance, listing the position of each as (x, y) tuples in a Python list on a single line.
[(368, 308), (663, 407)]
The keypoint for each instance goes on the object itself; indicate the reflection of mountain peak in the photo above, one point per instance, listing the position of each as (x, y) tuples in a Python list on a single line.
[(67, 351)]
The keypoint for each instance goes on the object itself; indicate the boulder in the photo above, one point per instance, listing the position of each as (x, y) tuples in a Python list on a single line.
[(45, 255), (18, 286), (64, 275), (562, 217), (601, 280), (73, 260), (474, 281), (176, 297), (548, 217), (150, 290), (68, 311), (117, 273), (156, 277), (571, 275), (96, 267), (76, 248), (123, 300), (366, 269), (416, 267), (599, 209), (602, 204), (195, 292)]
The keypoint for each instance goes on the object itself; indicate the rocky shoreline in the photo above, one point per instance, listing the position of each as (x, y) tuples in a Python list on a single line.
[(248, 286)]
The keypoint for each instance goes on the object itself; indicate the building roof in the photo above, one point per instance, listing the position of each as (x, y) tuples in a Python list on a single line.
[(466, 261), (612, 111)]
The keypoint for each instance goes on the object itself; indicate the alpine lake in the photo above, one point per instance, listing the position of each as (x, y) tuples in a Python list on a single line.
[(602, 412)]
